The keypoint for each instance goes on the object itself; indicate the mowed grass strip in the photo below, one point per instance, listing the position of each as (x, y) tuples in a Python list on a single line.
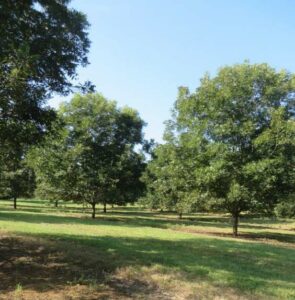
[(157, 254)]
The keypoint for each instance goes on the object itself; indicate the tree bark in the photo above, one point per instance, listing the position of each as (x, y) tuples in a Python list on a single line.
[(104, 207), (235, 224), (56, 203), (93, 210), (14, 202), (180, 215)]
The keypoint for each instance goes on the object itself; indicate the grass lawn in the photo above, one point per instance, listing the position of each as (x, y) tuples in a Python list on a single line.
[(131, 253)]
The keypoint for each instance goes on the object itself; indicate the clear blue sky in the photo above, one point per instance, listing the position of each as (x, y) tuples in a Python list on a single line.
[(142, 50)]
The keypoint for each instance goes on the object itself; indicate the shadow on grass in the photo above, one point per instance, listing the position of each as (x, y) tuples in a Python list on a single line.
[(51, 208), (42, 265), (248, 267), (120, 219), (254, 236), (140, 220), (280, 237)]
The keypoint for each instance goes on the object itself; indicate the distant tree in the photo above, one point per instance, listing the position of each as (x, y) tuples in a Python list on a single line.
[(51, 162), (129, 186), (168, 180), (16, 180), (240, 127)]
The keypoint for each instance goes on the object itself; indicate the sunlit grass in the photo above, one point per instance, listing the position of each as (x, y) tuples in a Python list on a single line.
[(169, 252)]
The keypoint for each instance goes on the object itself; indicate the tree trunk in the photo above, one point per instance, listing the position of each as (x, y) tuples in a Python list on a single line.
[(93, 210), (104, 207), (235, 224), (56, 203), (180, 215), (14, 202), (112, 205)]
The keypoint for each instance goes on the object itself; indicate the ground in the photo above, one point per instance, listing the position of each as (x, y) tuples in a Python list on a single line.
[(132, 253)]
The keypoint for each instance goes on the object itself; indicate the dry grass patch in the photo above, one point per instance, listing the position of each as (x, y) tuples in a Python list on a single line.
[(177, 286)]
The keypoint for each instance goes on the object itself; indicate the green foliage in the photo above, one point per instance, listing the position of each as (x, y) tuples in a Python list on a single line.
[(48, 37), (286, 208), (241, 123), (42, 43), (168, 181), (51, 161), (93, 157), (237, 134), (16, 180)]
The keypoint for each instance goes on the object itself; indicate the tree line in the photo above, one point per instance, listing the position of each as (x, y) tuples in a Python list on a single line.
[(228, 147)]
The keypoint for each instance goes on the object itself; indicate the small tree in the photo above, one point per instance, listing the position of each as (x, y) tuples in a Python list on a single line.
[(129, 186), (168, 181), (16, 180), (51, 162)]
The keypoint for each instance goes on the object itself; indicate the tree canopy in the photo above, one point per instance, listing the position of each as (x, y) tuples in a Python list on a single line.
[(237, 132), (94, 158), (42, 44)]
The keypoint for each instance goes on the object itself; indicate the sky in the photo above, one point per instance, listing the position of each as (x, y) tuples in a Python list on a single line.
[(143, 50)]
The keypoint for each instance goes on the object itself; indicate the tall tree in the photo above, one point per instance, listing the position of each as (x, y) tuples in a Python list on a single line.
[(102, 135), (239, 125), (98, 161), (42, 44)]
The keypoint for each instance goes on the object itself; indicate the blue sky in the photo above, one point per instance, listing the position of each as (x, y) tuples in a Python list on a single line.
[(142, 50)]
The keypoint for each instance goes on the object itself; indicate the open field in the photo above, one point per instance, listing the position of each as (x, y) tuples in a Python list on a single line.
[(131, 253)]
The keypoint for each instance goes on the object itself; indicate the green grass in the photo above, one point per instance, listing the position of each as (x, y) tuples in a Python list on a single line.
[(169, 252)]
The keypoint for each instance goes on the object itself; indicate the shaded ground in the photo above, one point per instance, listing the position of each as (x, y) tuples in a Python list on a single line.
[(33, 268), (280, 239)]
